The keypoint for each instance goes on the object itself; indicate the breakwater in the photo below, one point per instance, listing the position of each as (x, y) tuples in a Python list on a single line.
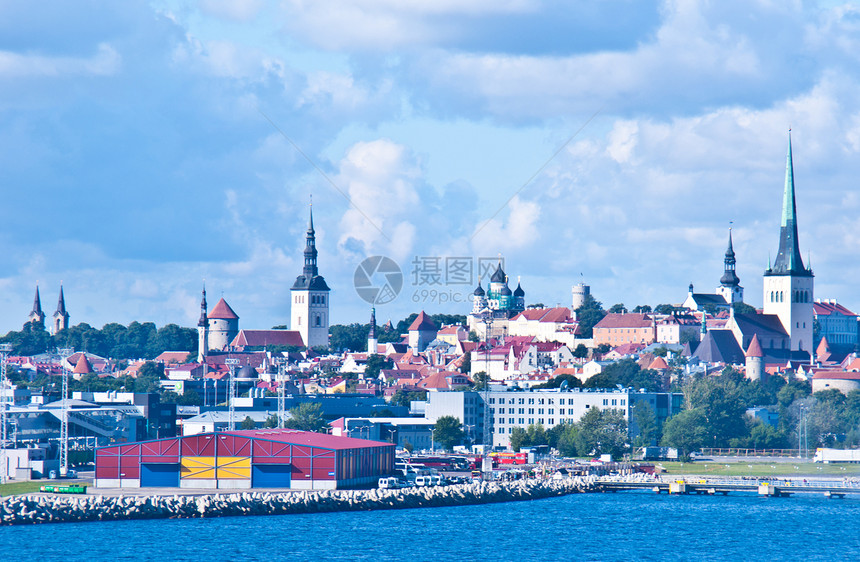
[(36, 509)]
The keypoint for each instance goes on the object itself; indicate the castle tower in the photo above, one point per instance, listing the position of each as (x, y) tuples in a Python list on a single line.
[(754, 360), (788, 284), (203, 330), (223, 326), (37, 317), (309, 310), (371, 337), (730, 285), (61, 317), (579, 293)]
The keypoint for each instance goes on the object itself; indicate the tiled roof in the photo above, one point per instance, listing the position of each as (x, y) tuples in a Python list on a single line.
[(765, 325), (260, 338), (837, 375), (754, 349), (422, 323), (658, 364), (222, 311), (628, 320), (719, 346), (826, 309)]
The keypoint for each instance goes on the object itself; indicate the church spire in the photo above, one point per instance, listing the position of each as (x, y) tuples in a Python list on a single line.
[(788, 259), (37, 315), (204, 317), (730, 278), (61, 304), (310, 270)]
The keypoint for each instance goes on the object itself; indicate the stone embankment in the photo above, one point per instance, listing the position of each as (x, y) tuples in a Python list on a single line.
[(34, 509)]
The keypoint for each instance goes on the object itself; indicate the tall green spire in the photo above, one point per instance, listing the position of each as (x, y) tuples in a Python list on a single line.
[(788, 260)]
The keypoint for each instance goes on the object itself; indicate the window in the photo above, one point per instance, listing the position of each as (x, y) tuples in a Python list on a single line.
[(606, 401), (522, 401), (623, 403), (492, 400), (501, 430), (522, 421), (540, 411), (550, 421), (561, 411), (510, 420), (551, 411), (510, 400), (492, 411), (531, 400), (531, 421), (540, 421), (614, 402), (540, 401)]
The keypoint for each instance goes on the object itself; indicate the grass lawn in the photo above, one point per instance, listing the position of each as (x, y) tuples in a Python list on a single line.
[(760, 469), (19, 488)]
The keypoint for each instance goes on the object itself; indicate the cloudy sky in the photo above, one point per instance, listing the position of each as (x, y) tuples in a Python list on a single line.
[(147, 146)]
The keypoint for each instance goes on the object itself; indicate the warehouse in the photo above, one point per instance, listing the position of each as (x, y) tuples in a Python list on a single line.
[(264, 458)]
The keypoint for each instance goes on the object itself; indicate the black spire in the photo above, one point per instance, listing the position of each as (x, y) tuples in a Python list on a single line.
[(204, 317), (37, 305), (310, 269), (310, 277), (372, 334), (61, 304), (788, 260), (730, 278)]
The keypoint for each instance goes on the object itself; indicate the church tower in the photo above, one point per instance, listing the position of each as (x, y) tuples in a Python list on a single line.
[(37, 317), (730, 285), (61, 317), (371, 336), (309, 310), (203, 330), (788, 284)]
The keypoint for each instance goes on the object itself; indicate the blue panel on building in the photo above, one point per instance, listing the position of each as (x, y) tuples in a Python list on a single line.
[(155, 475), (271, 475)]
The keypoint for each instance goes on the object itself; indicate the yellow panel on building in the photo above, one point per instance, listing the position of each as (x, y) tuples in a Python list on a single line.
[(234, 468), (210, 468), (197, 468)]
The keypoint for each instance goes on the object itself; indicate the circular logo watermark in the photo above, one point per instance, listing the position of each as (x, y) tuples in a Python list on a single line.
[(378, 280)]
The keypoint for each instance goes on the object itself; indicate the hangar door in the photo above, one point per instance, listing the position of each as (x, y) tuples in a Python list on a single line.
[(271, 476), (156, 475)]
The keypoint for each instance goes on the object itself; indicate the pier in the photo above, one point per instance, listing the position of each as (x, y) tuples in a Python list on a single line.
[(776, 488)]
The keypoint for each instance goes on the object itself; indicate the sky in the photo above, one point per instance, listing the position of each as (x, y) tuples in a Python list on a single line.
[(149, 147)]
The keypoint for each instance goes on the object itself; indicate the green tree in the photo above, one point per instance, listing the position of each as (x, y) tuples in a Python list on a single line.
[(148, 377), (590, 313), (743, 308), (602, 432), (481, 380), (307, 416), (406, 397), (518, 437), (617, 308), (686, 431), (580, 352), (646, 422), (376, 363), (247, 423), (567, 438), (557, 381), (664, 309), (466, 364), (642, 309), (271, 421), (448, 432)]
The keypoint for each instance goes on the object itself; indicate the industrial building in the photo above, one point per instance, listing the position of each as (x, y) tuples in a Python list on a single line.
[(265, 458)]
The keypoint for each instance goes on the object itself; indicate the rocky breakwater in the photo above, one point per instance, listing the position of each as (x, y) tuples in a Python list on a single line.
[(34, 509)]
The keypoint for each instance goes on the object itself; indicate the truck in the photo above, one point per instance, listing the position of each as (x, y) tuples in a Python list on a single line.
[(836, 455)]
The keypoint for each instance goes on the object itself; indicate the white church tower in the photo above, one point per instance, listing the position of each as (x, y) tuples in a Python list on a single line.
[(309, 310), (788, 284)]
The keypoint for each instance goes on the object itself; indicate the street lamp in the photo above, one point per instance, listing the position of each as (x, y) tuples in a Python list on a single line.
[(5, 349)]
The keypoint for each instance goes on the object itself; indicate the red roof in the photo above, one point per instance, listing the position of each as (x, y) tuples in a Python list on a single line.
[(628, 320), (260, 338), (296, 437), (837, 375), (556, 314), (83, 366), (658, 364), (222, 311), (422, 324), (824, 308), (171, 357), (754, 350)]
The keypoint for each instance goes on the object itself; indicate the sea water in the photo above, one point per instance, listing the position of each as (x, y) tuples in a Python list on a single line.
[(620, 526)]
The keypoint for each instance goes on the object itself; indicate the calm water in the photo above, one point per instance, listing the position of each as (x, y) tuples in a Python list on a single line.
[(623, 526)]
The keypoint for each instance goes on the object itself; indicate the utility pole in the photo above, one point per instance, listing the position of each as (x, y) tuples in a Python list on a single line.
[(5, 349), (65, 353), (488, 435), (231, 391), (282, 391)]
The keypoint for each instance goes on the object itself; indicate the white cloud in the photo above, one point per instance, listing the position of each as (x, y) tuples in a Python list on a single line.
[(106, 61), (237, 10)]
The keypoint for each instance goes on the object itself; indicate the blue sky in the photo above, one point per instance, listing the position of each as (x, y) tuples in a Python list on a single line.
[(137, 156)]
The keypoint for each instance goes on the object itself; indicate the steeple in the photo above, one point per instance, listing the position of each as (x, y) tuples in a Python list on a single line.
[(61, 304), (788, 259), (729, 277), (310, 270), (37, 315), (372, 334), (204, 318)]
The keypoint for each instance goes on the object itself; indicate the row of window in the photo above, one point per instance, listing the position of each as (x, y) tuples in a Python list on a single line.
[(797, 296), (315, 299), (549, 401)]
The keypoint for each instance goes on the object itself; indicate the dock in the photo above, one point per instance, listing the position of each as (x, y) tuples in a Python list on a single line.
[(771, 488)]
